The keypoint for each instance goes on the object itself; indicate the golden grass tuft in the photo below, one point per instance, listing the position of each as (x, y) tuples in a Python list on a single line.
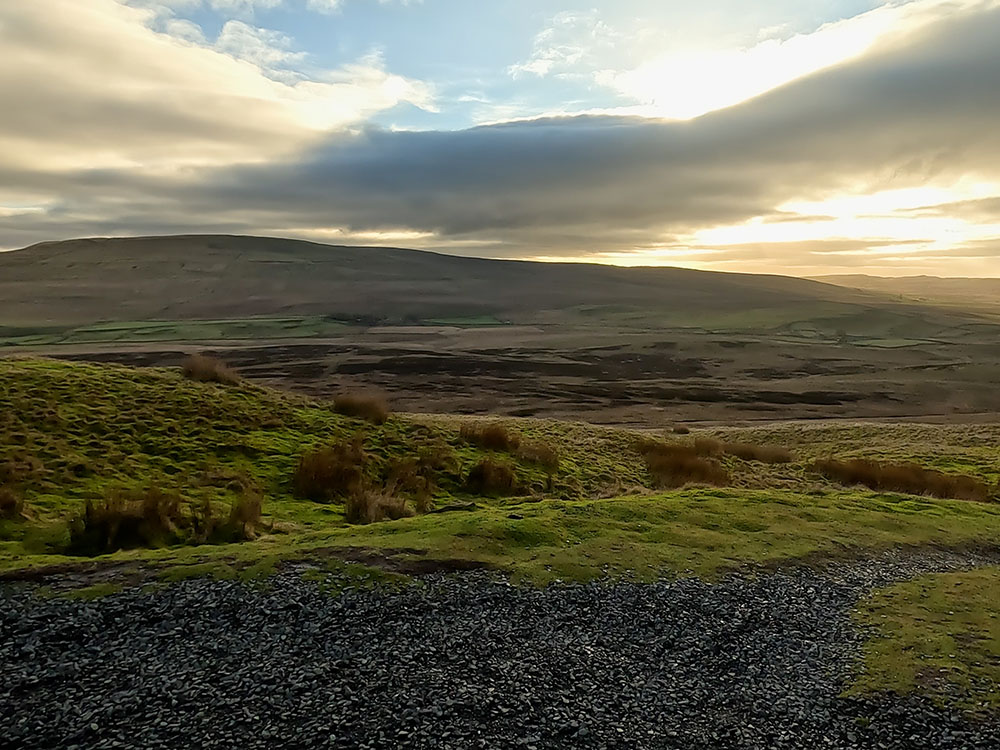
[(370, 505), (909, 478), (205, 369), (374, 409), (492, 437), (674, 465), (492, 477), (327, 474)]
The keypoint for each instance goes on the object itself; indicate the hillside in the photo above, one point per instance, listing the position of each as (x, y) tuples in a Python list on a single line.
[(62, 285), (82, 442), (966, 293)]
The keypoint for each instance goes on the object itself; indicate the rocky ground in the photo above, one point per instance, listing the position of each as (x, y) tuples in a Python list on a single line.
[(463, 661)]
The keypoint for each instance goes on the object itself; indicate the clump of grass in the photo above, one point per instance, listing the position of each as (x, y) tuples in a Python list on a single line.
[(492, 437), (540, 454), (910, 478), (768, 454), (492, 477), (673, 465), (371, 505), (244, 518), (679, 429), (330, 473), (11, 504), (123, 520), (207, 369), (705, 446), (374, 409)]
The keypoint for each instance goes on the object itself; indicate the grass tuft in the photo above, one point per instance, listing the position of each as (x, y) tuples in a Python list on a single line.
[(371, 408), (910, 478), (370, 505), (674, 465), (327, 474), (540, 454), (126, 520), (205, 369), (492, 437), (492, 477), (11, 504)]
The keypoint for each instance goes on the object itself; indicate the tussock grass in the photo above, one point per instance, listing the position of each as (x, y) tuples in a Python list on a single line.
[(205, 369), (126, 520), (673, 465), (492, 477), (493, 436), (374, 409), (11, 504), (371, 505), (330, 473), (768, 454), (680, 429), (540, 454), (910, 478)]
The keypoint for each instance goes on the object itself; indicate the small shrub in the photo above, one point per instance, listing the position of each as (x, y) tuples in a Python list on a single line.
[(371, 408), (207, 369), (329, 473), (491, 437), (369, 505), (492, 477), (673, 465), (540, 454), (680, 429), (909, 478), (11, 504), (127, 520)]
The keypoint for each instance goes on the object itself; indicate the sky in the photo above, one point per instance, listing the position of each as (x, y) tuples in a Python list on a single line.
[(782, 136)]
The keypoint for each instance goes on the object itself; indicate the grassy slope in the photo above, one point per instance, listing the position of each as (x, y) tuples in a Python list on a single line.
[(88, 429), (208, 278)]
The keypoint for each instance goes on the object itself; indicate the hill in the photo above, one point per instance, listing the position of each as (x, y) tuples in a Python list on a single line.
[(63, 285), (161, 456), (966, 293)]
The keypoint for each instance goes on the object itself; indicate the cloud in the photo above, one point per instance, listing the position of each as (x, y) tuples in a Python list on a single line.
[(780, 168), (573, 41), (126, 96)]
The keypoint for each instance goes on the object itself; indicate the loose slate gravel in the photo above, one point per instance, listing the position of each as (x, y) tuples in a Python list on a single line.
[(462, 661)]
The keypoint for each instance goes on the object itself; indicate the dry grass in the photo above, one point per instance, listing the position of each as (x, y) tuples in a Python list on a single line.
[(540, 454), (207, 369), (327, 474), (674, 465), (768, 454), (491, 437), (492, 477), (369, 505), (11, 504), (679, 429), (375, 409), (127, 520), (910, 478)]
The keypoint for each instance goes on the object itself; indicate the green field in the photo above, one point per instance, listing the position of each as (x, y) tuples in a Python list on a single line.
[(174, 330), (76, 432)]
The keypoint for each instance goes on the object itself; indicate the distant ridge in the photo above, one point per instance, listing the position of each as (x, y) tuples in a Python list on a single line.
[(195, 277)]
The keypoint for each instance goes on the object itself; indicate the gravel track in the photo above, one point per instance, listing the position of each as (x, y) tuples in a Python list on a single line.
[(463, 661)]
